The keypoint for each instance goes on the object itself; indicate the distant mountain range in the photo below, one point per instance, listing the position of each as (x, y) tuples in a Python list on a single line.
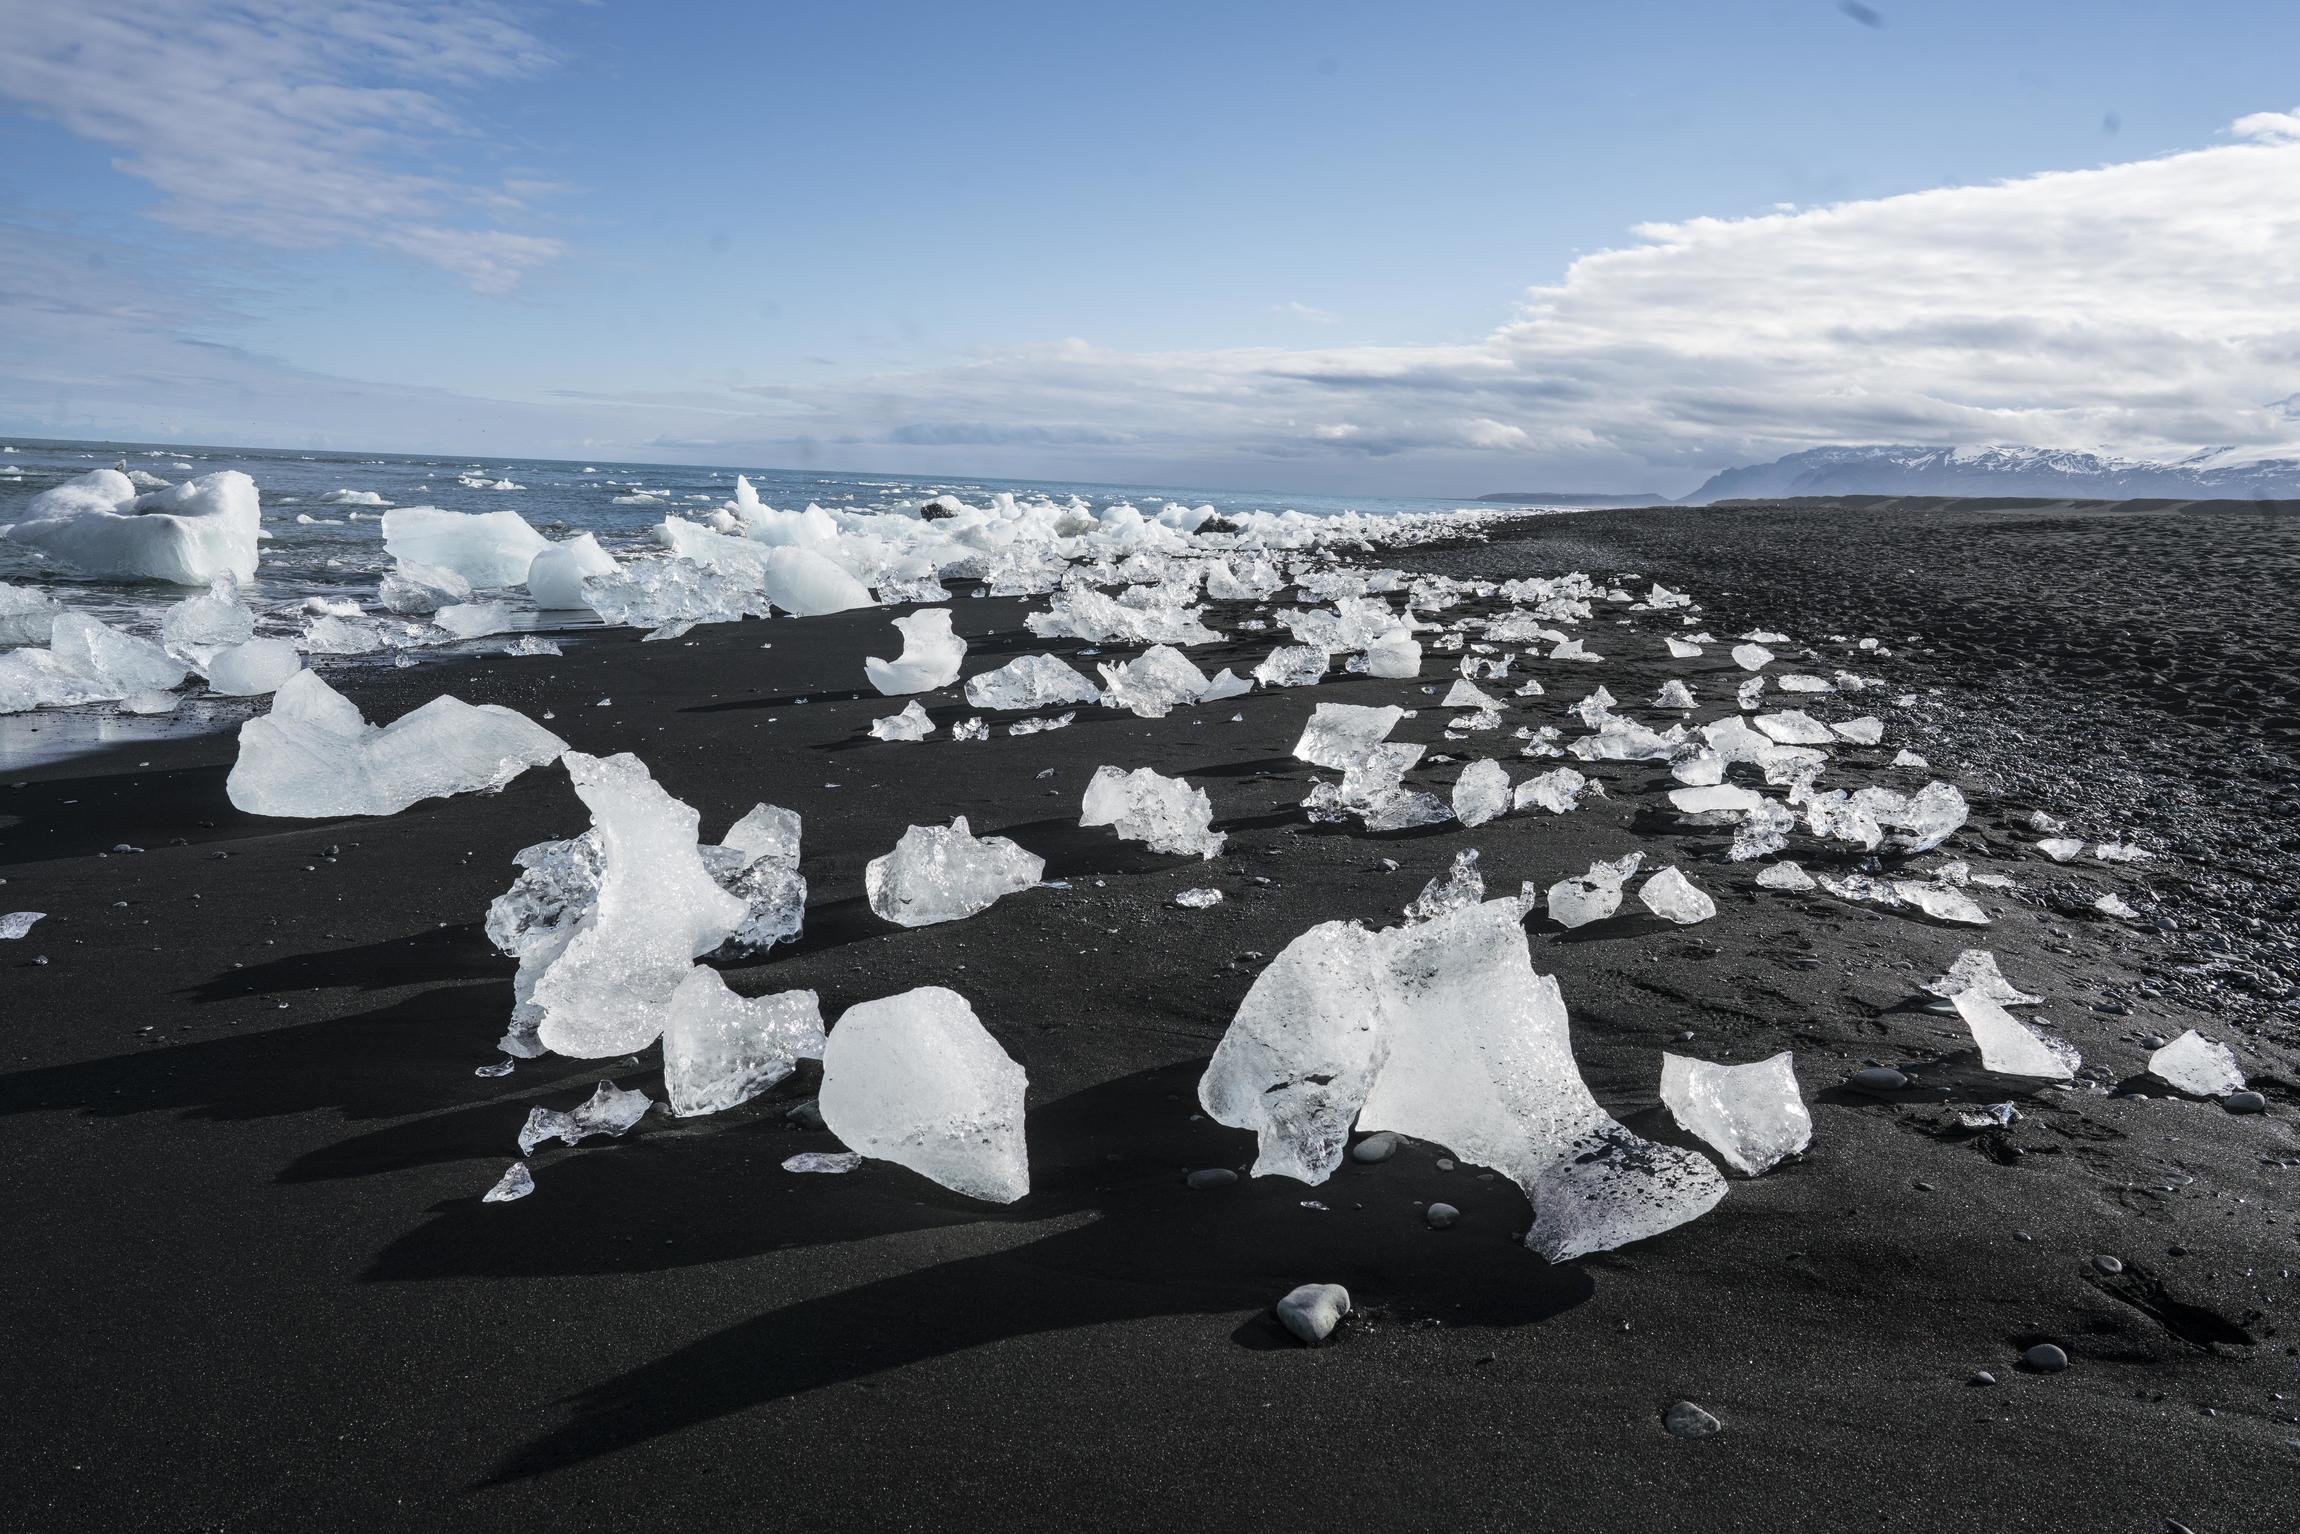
[(2217, 473)]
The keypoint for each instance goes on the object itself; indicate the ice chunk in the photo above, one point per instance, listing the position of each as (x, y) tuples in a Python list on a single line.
[(150, 702), (1339, 735), (911, 724), (486, 548), (1752, 657), (197, 627), (1975, 970), (472, 620), (556, 574), (416, 589), (532, 644), (26, 614), (808, 584), (1396, 654), (515, 1183), (1036, 726), (1785, 876), (1673, 897), (313, 755), (608, 1111), (1141, 615), (1558, 791), (2061, 848), (1717, 798), (931, 655), (1481, 793), (1625, 740), (2008, 1046), (1153, 685), (2196, 1065), (1681, 649), (1792, 728), (1198, 899), (1751, 1115), (1592, 896), (252, 669), (1864, 731), (1939, 901), (1293, 665), (1459, 886), (720, 1049), (86, 661), (1165, 814), (1441, 1030), (16, 924), (1763, 831), (665, 594), (1030, 681), (2117, 907), (1674, 695), (944, 873), (831, 1162), (186, 535), (1466, 694), (915, 1079), (657, 909)]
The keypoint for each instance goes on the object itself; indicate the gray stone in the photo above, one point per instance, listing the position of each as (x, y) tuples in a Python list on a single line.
[(1877, 1078), (2245, 1102), (1211, 1177), (1982, 1377), (1441, 1216), (1374, 1148), (2045, 1358), (1685, 1420), (1312, 1311), (2108, 1265)]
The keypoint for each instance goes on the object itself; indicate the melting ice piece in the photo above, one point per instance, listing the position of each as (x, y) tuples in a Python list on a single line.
[(1711, 799), (1793, 728), (1443, 1031), (1557, 790), (822, 1161), (516, 1182), (608, 1111), (152, 702), (197, 627), (185, 535), (720, 1049), (758, 864), (1785, 876), (944, 873), (252, 669), (1396, 654), (487, 548), (1466, 694), (2061, 848), (1293, 665), (657, 910), (16, 924), (1681, 649), (1154, 684), (417, 589), (1592, 896), (313, 755), (1672, 897), (26, 615), (1339, 735), (2196, 1065), (475, 620), (1462, 885), (915, 1079), (1939, 901), (86, 661), (1481, 793), (1752, 657), (1198, 899), (556, 574), (1674, 695), (1030, 681), (970, 729), (2009, 1047), (2117, 907), (1865, 731), (1975, 970), (1751, 1115), (931, 655), (911, 724), (1140, 615), (1165, 814)]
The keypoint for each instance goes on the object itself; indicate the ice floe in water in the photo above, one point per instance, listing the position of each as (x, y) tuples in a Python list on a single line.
[(917, 1080), (2009, 1046), (185, 535), (2198, 1066), (931, 655), (721, 1049), (946, 873), (313, 755), (1165, 814), (1441, 1030), (1751, 1115)]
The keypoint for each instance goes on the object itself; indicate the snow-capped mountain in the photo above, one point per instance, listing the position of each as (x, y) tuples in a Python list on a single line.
[(2020, 471)]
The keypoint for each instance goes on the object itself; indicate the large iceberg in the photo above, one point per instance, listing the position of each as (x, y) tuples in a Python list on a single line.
[(720, 1049), (486, 548), (313, 755), (931, 655), (187, 534), (1441, 1030), (945, 873), (1165, 814), (917, 1080)]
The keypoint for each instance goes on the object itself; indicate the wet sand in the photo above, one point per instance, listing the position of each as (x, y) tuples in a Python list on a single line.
[(249, 1284)]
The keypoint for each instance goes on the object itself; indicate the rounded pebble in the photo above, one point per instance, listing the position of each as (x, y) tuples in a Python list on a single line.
[(2107, 1264), (2045, 1358), (1211, 1177), (1444, 1164), (1685, 1420), (1375, 1148), (1982, 1377), (1441, 1216), (1877, 1078), (2152, 1041), (1312, 1311), (2245, 1102)]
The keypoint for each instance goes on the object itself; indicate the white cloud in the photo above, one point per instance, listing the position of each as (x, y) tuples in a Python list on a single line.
[(290, 123), (1302, 311)]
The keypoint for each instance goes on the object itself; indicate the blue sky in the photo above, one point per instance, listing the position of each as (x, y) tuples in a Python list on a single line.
[(1285, 246)]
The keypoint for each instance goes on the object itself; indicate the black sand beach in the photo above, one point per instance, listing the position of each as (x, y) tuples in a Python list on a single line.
[(249, 1285)]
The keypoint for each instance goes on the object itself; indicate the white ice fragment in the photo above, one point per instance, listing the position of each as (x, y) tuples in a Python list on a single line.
[(2121, 852), (1465, 694), (1481, 793), (2061, 848), (1680, 649), (1716, 798), (185, 535), (1593, 896), (417, 589), (1340, 735), (87, 661), (2008, 1046), (1784, 876), (1061, 721), (487, 549), (1673, 897), (1557, 791), (1459, 886), (1030, 681), (1198, 899), (1166, 814), (911, 724), (720, 1049), (2198, 1066), (197, 627), (1752, 657), (473, 620), (830, 1162), (252, 669), (556, 574), (970, 729), (945, 873), (1864, 731), (1154, 684), (1909, 759), (1975, 971), (1793, 728), (931, 655), (2116, 906), (1140, 615), (1751, 1115), (1674, 695), (917, 1080), (16, 924), (313, 755), (151, 702), (1294, 665), (1396, 655), (26, 614), (515, 1183), (608, 1111)]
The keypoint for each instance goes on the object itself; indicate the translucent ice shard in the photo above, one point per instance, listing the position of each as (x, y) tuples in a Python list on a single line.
[(911, 724), (1752, 657), (1592, 896), (16, 924), (1865, 731), (1153, 684), (1396, 654), (1792, 728), (252, 669), (931, 655), (2196, 1065), (2061, 848), (1672, 897), (944, 873), (1481, 793), (313, 755), (474, 620), (185, 535), (657, 910), (1293, 665), (1674, 695), (556, 574), (1751, 1115), (917, 1080), (720, 1049), (197, 627), (1466, 694), (1166, 814), (26, 614), (1975, 970), (1785, 876), (1030, 681), (2008, 1046), (416, 589), (515, 1183), (1557, 791), (1140, 615), (1459, 886), (487, 549), (1339, 735)]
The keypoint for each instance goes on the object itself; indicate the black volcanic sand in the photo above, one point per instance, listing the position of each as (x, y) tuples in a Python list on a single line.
[(249, 1283)]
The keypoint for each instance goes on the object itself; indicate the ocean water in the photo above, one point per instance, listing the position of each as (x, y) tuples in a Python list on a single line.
[(317, 548)]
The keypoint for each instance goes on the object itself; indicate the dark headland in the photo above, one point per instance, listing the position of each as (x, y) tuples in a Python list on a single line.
[(249, 1284)]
